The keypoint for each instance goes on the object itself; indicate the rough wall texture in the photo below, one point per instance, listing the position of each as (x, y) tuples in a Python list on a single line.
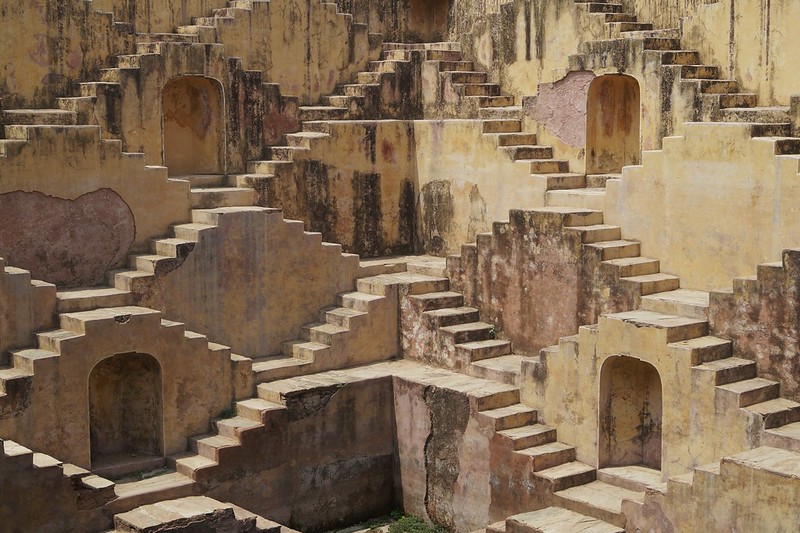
[(26, 306), (535, 280), (560, 107), (762, 317), (100, 194), (239, 285), (48, 45), (71, 243)]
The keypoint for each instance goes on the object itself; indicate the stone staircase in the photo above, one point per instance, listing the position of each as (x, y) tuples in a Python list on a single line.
[(720, 100), (616, 258), (91, 491), (193, 512), (350, 333)]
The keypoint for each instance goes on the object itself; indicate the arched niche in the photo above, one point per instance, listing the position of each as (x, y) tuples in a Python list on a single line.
[(193, 126), (630, 413), (126, 414), (613, 116), (427, 20)]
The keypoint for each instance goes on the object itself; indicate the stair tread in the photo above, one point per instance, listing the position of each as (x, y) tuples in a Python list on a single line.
[(509, 410), (86, 292), (727, 363), (525, 431), (565, 470), (748, 385), (601, 495), (560, 520), (776, 405), (791, 431), (685, 296), (474, 345), (550, 447), (469, 326), (651, 277), (510, 362)]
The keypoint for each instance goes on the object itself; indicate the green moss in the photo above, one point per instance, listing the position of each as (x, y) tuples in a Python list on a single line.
[(412, 524)]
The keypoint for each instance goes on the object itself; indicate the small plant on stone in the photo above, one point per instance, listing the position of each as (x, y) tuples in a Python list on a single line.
[(412, 524)]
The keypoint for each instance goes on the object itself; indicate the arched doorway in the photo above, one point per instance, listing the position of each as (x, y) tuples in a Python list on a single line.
[(427, 20), (194, 133), (630, 413), (125, 414), (612, 124)]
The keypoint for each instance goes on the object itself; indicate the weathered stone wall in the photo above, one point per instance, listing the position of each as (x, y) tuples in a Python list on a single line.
[(48, 45), (26, 306), (74, 206), (196, 380), (536, 281), (327, 460), (251, 282), (761, 316), (749, 40), (701, 187)]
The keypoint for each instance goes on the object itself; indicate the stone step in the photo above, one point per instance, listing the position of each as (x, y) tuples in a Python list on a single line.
[(558, 520), (204, 180), (518, 152), (322, 333), (699, 72), (776, 412), (311, 113), (39, 117), (359, 301), (598, 181), (304, 139), (257, 409), (618, 249), (479, 350), (737, 100), (235, 426), (545, 166), (763, 115), (770, 130), (786, 437), (491, 395), (705, 349), (340, 316), (468, 333), (267, 369), (653, 283), (599, 500), (729, 370), (465, 77), (568, 475), (501, 126), (190, 464), (529, 436), (636, 478), (505, 369), (212, 446), (682, 302), (634, 266), (213, 197), (486, 102), (87, 298), (513, 139), (751, 391), (562, 180), (151, 490), (677, 328), (480, 89), (680, 57), (452, 316), (498, 112), (598, 233), (511, 416), (549, 455), (586, 198)]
